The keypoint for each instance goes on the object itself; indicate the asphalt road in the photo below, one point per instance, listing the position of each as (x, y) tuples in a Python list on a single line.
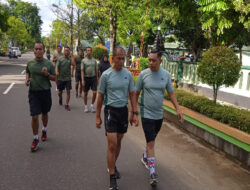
[(74, 157)]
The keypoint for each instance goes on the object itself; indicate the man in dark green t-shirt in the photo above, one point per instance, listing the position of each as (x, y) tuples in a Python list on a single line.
[(58, 54), (63, 76), (76, 66), (39, 72)]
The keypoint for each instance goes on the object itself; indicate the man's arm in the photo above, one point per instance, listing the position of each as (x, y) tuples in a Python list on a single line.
[(82, 74), (100, 99), (133, 118), (27, 79), (176, 105)]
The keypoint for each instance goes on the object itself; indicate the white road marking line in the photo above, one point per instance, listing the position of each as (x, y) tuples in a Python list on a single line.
[(23, 72), (8, 89)]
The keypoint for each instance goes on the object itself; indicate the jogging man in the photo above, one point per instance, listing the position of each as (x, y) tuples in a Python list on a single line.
[(153, 82), (39, 72), (77, 67), (57, 54), (63, 76), (115, 85), (89, 71)]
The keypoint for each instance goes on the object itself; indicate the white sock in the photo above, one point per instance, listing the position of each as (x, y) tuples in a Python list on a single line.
[(145, 152), (92, 105), (86, 106), (36, 137), (151, 164), (44, 128)]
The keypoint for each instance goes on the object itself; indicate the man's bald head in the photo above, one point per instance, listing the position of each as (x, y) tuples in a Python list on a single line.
[(118, 50)]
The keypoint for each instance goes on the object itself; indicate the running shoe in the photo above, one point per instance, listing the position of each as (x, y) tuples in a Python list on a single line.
[(93, 109), (117, 173), (86, 109), (113, 184), (67, 107), (153, 179), (34, 145), (144, 162), (44, 135)]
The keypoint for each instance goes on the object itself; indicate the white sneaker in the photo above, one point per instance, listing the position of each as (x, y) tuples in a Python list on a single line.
[(93, 109), (86, 109)]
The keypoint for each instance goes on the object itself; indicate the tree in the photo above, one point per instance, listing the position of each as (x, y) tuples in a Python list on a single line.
[(29, 14), (4, 15), (219, 66), (17, 31)]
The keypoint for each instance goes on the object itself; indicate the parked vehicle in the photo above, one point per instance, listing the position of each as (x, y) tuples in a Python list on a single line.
[(17, 50), (14, 52)]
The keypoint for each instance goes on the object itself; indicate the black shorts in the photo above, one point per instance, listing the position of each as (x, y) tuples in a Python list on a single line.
[(151, 128), (40, 102), (90, 82), (61, 85), (78, 77), (116, 119)]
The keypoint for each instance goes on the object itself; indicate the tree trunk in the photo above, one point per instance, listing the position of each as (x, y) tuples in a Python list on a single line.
[(240, 48), (71, 27), (215, 90), (112, 30), (145, 50), (210, 37)]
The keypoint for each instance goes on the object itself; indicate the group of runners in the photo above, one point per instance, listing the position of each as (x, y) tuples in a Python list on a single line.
[(116, 87)]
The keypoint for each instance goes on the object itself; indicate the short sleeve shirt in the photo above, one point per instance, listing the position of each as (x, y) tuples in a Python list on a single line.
[(78, 61), (57, 55), (153, 85), (89, 66), (64, 68), (38, 81), (115, 86)]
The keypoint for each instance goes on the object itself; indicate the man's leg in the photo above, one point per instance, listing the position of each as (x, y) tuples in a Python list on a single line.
[(77, 85), (60, 96), (85, 98), (67, 97), (35, 124), (93, 97), (45, 118), (112, 152), (118, 145), (80, 94)]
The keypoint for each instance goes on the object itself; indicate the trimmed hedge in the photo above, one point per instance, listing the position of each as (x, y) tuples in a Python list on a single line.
[(99, 51), (237, 118)]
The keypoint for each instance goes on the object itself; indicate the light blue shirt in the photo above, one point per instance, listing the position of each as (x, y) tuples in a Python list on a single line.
[(153, 85), (115, 86)]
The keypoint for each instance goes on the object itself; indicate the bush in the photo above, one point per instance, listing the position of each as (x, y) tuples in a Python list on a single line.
[(143, 63), (237, 118), (99, 51)]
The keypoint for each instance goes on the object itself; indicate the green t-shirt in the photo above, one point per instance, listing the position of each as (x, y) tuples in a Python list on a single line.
[(64, 68), (78, 61), (115, 86), (57, 55), (89, 66), (153, 85), (38, 81)]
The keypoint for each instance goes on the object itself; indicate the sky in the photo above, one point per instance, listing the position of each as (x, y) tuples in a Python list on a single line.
[(46, 12)]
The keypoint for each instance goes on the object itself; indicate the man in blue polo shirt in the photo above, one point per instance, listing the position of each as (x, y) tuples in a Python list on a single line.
[(115, 85), (153, 82)]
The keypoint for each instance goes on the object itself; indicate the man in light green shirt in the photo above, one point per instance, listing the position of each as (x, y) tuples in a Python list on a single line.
[(116, 84), (153, 82), (89, 72)]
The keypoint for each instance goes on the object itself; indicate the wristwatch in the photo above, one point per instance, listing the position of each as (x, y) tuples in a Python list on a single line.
[(135, 112)]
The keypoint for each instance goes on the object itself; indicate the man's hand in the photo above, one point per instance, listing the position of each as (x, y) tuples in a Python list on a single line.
[(180, 116), (27, 82), (83, 83), (72, 75), (98, 122), (45, 71), (133, 119)]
